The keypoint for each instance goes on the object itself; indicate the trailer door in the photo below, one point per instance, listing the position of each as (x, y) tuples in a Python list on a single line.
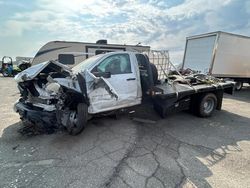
[(199, 53), (232, 57)]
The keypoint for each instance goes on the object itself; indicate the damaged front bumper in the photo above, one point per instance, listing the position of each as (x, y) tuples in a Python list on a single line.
[(36, 115)]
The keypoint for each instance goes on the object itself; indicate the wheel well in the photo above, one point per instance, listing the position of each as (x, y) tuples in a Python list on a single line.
[(196, 98), (72, 99)]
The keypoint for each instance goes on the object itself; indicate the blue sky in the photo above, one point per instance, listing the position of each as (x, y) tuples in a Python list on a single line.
[(26, 25)]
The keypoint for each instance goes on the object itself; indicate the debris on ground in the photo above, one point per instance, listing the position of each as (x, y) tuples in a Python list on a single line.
[(144, 120), (15, 147), (30, 129)]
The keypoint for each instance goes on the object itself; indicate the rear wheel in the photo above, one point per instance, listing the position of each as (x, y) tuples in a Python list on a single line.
[(238, 86), (78, 119), (207, 105)]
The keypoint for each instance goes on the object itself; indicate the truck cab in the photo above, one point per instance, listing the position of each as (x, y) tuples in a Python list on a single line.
[(126, 74)]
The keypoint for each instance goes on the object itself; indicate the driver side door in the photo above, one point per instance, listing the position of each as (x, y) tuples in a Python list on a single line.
[(119, 88)]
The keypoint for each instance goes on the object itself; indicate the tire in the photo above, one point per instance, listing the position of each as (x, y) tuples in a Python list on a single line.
[(5, 74), (207, 105), (238, 86), (154, 73), (80, 121)]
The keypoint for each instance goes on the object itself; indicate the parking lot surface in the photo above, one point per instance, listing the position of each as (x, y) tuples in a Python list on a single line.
[(179, 151)]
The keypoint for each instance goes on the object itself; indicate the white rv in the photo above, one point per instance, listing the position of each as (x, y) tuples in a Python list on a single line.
[(220, 54), (64, 50)]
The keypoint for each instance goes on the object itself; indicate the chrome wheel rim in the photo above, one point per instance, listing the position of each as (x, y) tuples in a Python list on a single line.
[(208, 106), (73, 120)]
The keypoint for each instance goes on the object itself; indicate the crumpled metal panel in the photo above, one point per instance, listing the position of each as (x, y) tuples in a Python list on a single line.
[(33, 71), (69, 83)]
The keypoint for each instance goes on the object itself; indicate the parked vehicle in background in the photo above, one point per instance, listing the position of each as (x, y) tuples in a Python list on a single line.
[(63, 51), (52, 94), (23, 62), (7, 67), (220, 54)]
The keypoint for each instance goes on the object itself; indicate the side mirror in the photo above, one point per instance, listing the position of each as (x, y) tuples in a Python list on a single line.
[(107, 75), (102, 74)]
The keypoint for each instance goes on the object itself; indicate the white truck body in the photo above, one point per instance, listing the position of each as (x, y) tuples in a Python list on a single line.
[(80, 50), (54, 95), (125, 87), (219, 54)]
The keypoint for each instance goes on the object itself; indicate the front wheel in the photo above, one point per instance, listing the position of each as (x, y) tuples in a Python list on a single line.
[(78, 119), (207, 105)]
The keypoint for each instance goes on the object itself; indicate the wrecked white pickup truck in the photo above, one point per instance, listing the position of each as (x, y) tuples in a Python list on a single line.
[(53, 94)]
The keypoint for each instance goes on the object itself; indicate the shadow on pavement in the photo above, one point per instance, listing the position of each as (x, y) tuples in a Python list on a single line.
[(204, 143), (177, 151)]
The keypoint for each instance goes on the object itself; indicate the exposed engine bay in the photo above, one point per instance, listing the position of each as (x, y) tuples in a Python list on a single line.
[(51, 94)]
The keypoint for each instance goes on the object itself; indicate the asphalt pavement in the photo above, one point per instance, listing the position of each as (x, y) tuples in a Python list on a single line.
[(179, 151)]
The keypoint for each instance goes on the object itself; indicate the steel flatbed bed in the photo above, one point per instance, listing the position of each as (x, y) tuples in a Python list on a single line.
[(177, 97)]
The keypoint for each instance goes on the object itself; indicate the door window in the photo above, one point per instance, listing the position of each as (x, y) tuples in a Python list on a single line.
[(115, 64)]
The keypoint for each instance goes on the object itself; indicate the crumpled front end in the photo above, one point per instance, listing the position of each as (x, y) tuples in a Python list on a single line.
[(36, 116), (49, 95)]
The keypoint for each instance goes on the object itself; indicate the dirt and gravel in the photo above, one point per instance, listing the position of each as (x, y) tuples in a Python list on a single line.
[(179, 151)]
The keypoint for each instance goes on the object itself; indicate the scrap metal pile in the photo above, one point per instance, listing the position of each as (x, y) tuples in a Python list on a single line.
[(194, 78), (168, 72)]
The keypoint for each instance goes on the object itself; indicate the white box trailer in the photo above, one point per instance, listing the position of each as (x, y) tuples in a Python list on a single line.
[(62, 50), (221, 54)]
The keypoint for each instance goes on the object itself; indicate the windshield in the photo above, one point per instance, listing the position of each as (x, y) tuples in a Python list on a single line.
[(86, 63)]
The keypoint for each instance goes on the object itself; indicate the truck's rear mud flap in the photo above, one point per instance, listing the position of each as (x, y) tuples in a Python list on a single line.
[(229, 90)]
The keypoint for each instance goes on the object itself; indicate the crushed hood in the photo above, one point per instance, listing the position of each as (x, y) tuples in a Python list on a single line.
[(69, 80), (46, 67)]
